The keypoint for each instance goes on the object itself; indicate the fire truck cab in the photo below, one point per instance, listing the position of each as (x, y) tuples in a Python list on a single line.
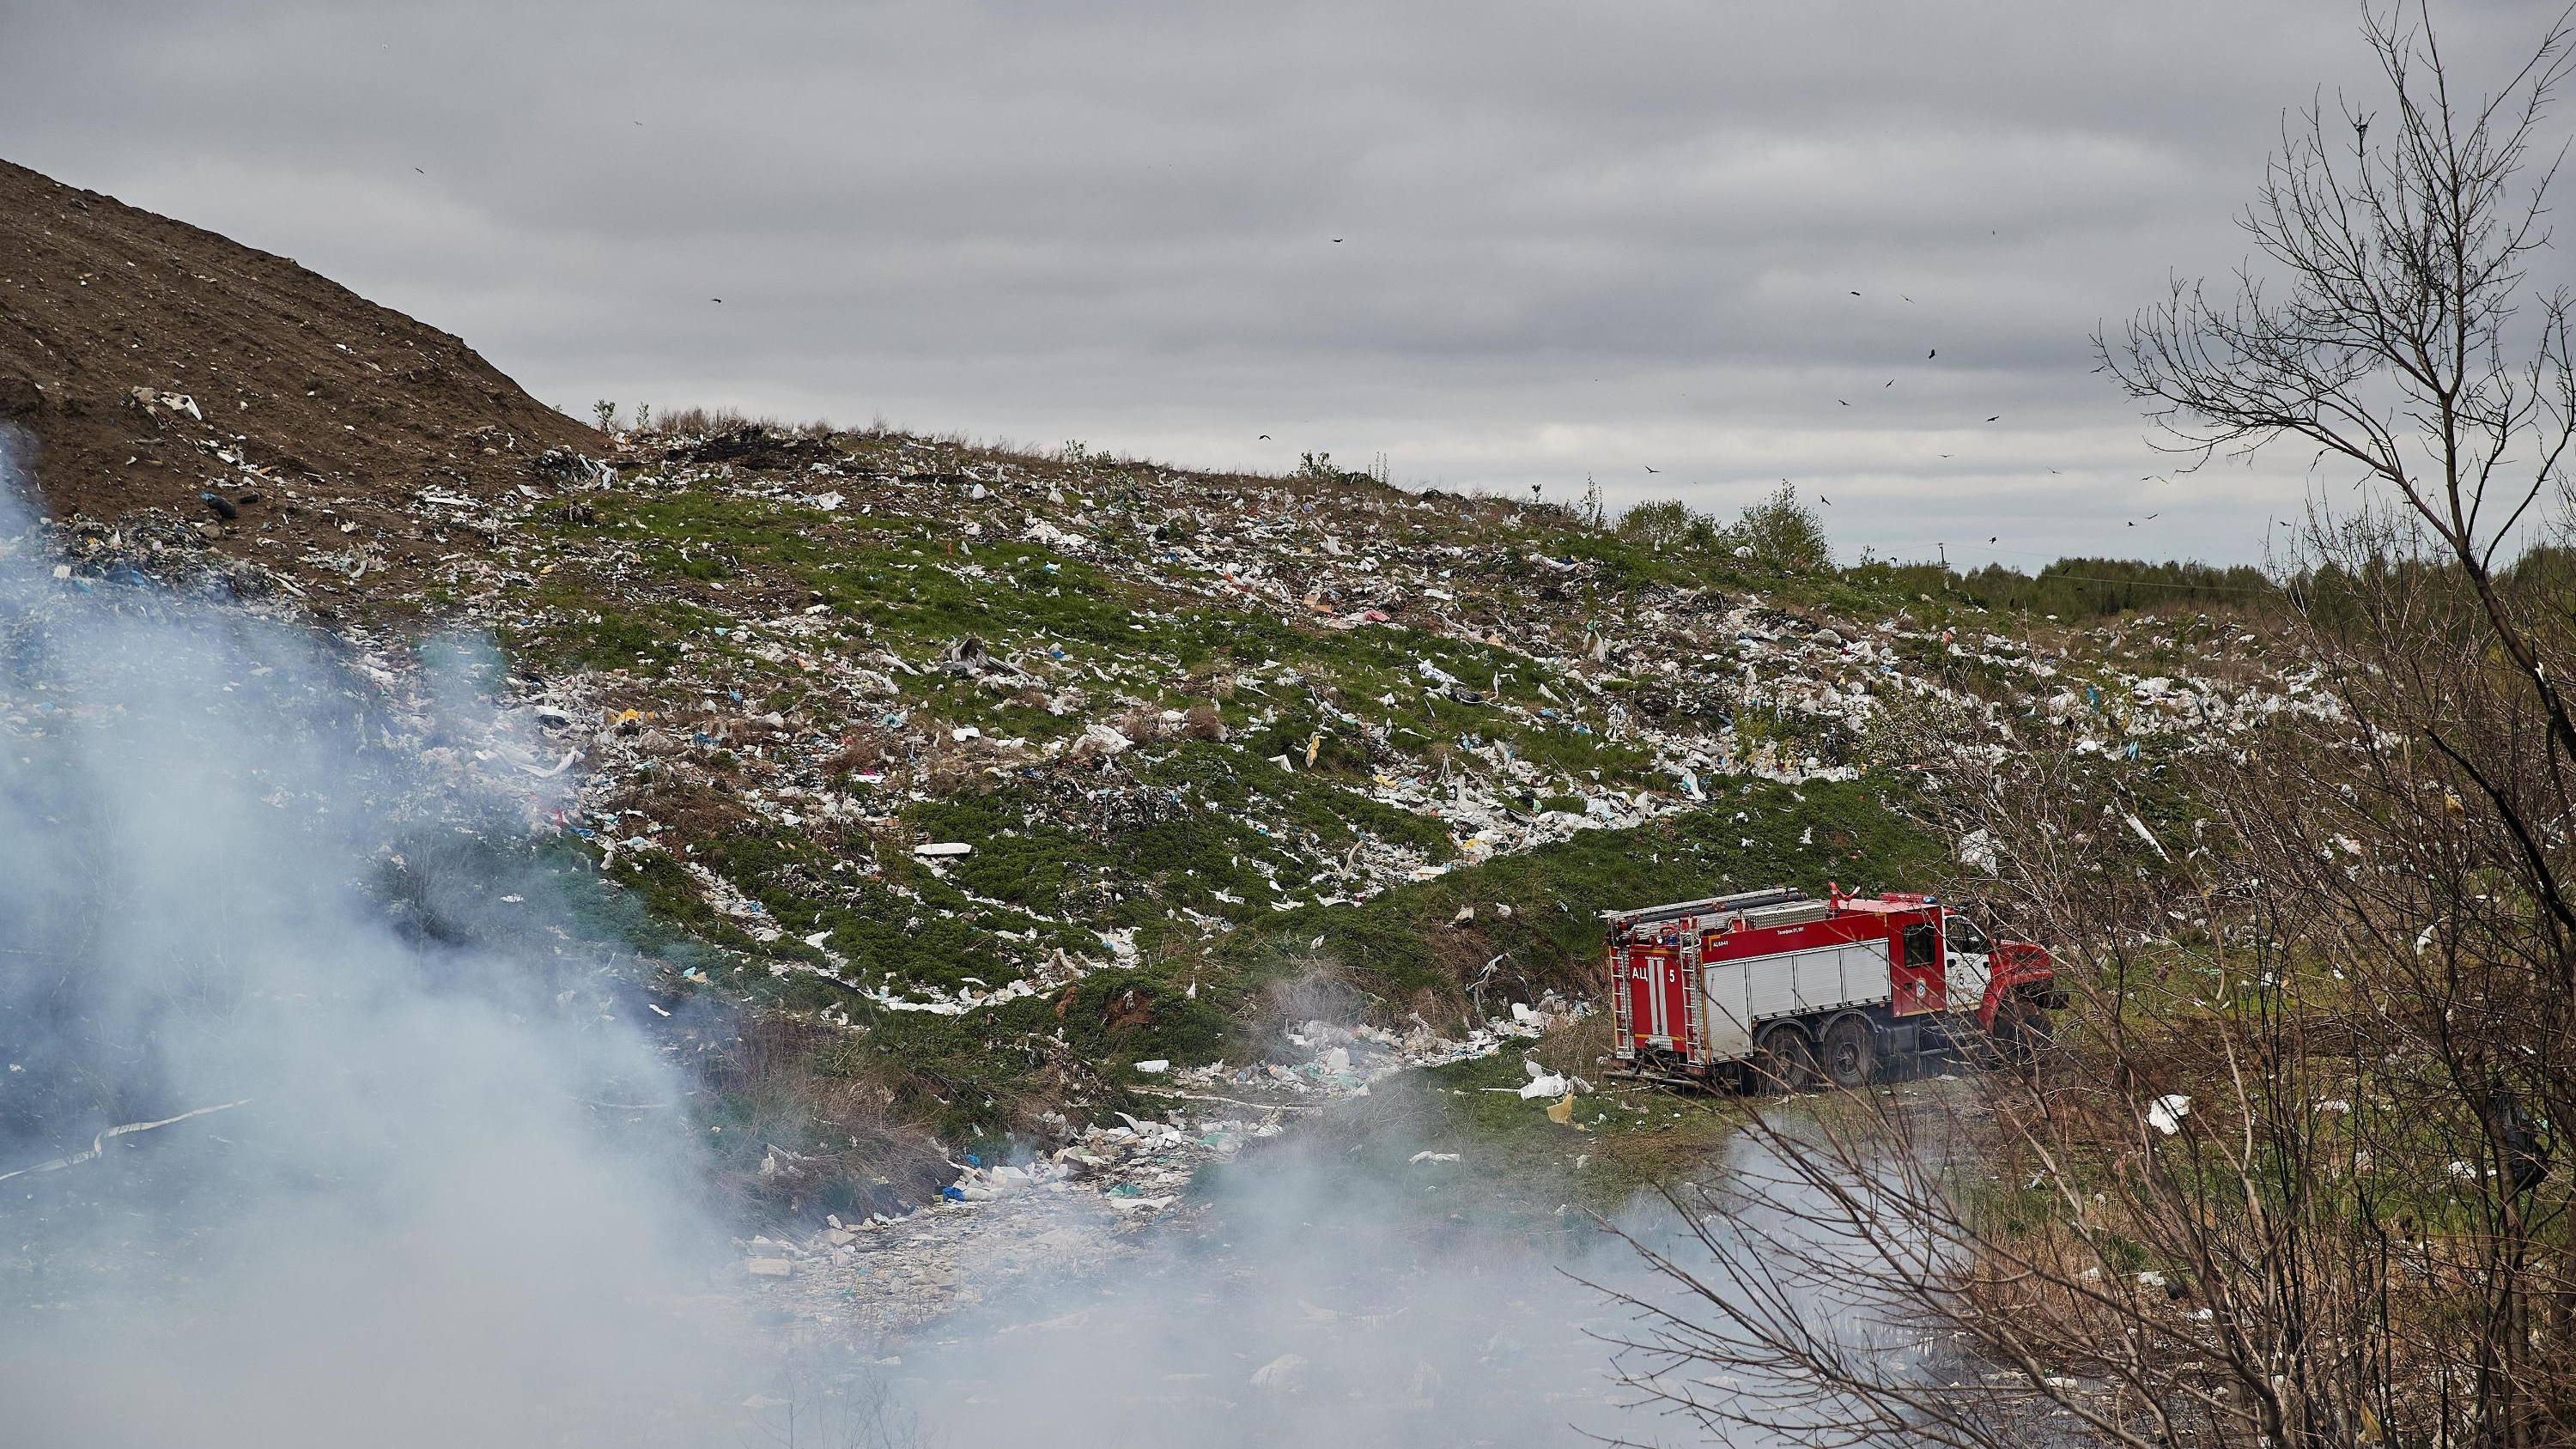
[(1775, 988)]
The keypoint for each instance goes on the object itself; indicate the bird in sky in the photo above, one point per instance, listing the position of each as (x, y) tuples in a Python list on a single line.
[(1996, 539), (1337, 240), (1935, 352), (424, 173), (1845, 404), (1651, 468), (1265, 437), (1891, 382), (2150, 515), (717, 300), (1820, 498), (1997, 418)]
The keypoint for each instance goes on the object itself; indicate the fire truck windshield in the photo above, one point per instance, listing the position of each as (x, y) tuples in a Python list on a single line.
[(1964, 935)]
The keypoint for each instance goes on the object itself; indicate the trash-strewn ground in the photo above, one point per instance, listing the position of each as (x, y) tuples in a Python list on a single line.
[(1018, 768), (1061, 1219)]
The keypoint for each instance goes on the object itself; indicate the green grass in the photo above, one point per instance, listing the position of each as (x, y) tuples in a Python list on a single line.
[(1401, 945)]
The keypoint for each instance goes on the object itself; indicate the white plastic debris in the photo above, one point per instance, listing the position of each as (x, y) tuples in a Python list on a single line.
[(1550, 1086), (1285, 1374), (944, 848), (1422, 1157), (1156, 1067), (1976, 851), (2165, 1113), (2145, 834)]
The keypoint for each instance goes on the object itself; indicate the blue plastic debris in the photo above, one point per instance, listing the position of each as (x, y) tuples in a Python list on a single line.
[(953, 1194)]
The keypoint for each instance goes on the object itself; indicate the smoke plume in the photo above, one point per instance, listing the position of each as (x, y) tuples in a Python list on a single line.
[(246, 863)]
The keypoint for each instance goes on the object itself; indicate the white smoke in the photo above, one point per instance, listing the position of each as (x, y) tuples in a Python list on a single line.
[(238, 863)]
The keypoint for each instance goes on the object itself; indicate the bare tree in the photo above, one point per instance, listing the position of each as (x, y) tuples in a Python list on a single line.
[(2289, 1177)]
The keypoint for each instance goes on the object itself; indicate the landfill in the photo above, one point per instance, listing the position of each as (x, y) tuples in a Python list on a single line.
[(1359, 687)]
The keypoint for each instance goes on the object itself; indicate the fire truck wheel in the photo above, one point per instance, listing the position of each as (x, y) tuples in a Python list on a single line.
[(1851, 1054), (1784, 1060)]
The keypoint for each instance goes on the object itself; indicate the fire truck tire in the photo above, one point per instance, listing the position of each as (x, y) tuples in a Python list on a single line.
[(1784, 1059), (1851, 1053)]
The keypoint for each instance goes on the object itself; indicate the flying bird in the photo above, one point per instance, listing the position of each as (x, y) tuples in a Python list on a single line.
[(1337, 240), (719, 301), (1997, 418), (1265, 437), (1998, 538), (1855, 294), (2150, 515), (1820, 498), (424, 173), (1891, 382), (1845, 404), (1651, 468), (1935, 352)]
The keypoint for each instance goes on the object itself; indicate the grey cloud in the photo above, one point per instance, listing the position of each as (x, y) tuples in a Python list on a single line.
[(1115, 221)]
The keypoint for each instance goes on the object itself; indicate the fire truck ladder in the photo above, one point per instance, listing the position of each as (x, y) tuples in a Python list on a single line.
[(1623, 1022), (1694, 1009)]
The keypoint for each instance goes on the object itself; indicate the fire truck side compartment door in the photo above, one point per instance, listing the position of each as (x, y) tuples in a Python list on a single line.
[(1841, 976), (1796, 982), (1729, 1020)]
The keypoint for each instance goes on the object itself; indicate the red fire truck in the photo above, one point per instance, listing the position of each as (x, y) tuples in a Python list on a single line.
[(1775, 988)]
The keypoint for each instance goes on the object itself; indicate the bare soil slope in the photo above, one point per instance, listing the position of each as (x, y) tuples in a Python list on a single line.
[(154, 362)]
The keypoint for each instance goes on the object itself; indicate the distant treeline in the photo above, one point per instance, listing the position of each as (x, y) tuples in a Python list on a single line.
[(1780, 535), (2077, 588), (2090, 587)]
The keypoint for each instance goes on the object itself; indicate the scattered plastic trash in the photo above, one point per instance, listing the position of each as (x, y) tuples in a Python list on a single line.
[(1285, 1374)]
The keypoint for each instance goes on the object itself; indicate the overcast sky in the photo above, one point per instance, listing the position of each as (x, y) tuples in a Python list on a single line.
[(1501, 243)]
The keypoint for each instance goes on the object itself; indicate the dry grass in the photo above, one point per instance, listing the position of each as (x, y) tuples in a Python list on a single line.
[(809, 1131)]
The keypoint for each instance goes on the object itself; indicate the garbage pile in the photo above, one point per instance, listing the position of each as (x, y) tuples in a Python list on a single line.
[(1080, 1206), (1057, 712)]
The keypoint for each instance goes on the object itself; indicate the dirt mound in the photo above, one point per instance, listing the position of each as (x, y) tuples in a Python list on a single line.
[(155, 364)]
